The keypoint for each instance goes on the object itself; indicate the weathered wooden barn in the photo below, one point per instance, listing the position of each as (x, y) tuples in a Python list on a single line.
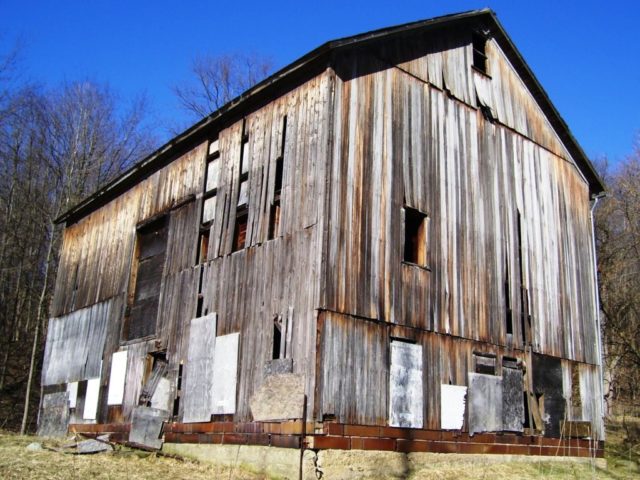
[(391, 238)]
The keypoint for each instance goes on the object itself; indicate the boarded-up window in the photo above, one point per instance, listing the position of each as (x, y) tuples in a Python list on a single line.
[(117, 378), (91, 399), (405, 385), (452, 406), (415, 236), (151, 246), (225, 374), (197, 391), (512, 395)]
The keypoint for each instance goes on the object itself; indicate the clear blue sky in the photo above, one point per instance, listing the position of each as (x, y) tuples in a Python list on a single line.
[(585, 53)]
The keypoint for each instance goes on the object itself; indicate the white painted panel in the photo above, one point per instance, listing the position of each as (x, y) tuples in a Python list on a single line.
[(452, 405), (405, 385), (213, 172), (225, 374), (91, 399), (72, 388), (117, 378), (198, 369)]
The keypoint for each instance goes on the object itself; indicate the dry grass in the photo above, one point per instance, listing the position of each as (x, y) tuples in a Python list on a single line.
[(16, 462)]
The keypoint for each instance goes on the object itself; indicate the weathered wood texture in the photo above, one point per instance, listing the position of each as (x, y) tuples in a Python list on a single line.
[(353, 374), (279, 277), (97, 250), (75, 344), (505, 212)]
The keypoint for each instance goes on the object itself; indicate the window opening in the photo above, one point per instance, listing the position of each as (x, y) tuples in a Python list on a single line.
[(274, 212), (484, 363), (277, 338), (144, 287), (176, 401), (479, 42), (240, 230), (415, 237)]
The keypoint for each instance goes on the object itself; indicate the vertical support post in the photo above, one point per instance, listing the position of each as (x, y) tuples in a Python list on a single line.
[(304, 434)]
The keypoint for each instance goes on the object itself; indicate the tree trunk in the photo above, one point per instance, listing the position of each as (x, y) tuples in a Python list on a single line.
[(34, 349)]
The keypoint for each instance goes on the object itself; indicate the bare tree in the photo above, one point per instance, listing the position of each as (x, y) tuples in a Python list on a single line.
[(56, 147), (218, 79), (618, 243)]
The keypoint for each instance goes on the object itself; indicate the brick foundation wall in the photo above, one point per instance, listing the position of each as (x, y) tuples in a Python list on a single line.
[(356, 437)]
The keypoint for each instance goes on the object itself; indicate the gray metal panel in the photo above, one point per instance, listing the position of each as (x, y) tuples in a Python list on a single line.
[(146, 426), (485, 403), (405, 385), (225, 374), (198, 403), (54, 415), (512, 400)]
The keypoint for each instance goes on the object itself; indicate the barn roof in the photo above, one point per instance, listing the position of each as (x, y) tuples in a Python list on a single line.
[(312, 63)]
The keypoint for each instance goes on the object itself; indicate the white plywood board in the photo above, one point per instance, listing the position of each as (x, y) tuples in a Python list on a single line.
[(117, 378), (405, 385), (72, 389), (91, 399), (452, 406), (198, 369), (225, 374)]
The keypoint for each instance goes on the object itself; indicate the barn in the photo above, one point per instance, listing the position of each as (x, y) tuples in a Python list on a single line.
[(386, 245)]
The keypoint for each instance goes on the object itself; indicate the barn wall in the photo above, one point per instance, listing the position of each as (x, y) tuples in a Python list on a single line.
[(246, 288), (277, 277), (505, 212)]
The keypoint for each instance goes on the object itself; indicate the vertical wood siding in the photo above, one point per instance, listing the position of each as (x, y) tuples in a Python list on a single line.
[(399, 140)]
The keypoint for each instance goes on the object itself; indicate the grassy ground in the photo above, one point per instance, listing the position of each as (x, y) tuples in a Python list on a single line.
[(16, 462)]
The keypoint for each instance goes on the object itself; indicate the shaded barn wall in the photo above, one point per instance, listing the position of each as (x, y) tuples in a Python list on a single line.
[(246, 288), (95, 269), (504, 213)]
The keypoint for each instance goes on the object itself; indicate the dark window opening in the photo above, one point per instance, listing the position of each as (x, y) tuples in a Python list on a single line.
[(507, 300), (144, 287), (484, 363), (240, 230), (176, 401), (274, 220), (203, 247), (278, 181), (415, 237), (479, 42), (277, 338)]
